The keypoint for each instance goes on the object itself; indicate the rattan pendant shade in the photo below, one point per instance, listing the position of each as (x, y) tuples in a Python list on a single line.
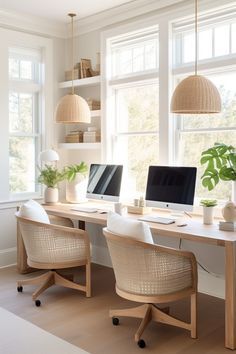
[(195, 94), (72, 108)]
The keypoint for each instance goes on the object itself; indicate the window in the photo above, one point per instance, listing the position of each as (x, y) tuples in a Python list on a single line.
[(197, 133), (134, 53), (139, 128), (24, 119), (26, 101), (215, 39), (136, 115)]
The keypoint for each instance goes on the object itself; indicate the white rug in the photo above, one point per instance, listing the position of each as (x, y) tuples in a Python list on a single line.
[(18, 336)]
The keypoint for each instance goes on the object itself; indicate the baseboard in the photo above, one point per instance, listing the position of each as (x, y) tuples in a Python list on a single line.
[(8, 257)]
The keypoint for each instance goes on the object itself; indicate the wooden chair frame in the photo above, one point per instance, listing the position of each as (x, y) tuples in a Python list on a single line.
[(52, 277), (149, 310)]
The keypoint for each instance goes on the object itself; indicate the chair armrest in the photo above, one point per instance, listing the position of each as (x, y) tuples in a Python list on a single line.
[(44, 240), (59, 220), (147, 256)]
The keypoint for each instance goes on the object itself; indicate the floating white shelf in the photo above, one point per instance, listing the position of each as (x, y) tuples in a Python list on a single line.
[(88, 81), (80, 146), (96, 113)]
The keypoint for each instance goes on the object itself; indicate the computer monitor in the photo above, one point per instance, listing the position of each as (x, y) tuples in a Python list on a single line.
[(171, 187), (104, 182)]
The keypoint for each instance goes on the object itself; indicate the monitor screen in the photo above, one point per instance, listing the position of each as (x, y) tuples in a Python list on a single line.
[(171, 187), (104, 182)]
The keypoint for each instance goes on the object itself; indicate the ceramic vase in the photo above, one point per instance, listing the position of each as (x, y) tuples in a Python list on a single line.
[(76, 190), (51, 195), (229, 212), (208, 215)]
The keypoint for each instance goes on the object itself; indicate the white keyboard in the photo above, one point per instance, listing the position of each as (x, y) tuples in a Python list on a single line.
[(157, 219), (85, 210)]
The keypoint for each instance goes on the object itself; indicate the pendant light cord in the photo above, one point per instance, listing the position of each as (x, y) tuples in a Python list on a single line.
[(72, 52), (196, 38)]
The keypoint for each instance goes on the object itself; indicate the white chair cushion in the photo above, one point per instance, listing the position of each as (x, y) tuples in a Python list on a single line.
[(34, 211), (123, 226)]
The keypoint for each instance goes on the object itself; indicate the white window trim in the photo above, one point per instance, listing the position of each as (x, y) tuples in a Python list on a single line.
[(19, 39)]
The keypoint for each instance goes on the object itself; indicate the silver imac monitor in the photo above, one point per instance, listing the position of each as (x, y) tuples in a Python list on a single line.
[(171, 187), (104, 182)]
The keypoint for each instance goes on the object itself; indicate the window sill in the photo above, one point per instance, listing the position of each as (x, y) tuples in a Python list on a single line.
[(15, 201)]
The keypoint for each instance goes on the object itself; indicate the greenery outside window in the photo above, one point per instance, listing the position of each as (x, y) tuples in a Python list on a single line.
[(24, 120)]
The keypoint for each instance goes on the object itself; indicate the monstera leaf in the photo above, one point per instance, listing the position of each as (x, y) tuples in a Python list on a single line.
[(221, 165)]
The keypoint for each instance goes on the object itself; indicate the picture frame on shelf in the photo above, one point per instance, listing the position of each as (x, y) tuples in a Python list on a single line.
[(85, 68)]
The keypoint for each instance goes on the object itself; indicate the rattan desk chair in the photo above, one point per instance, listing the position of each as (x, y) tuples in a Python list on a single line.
[(54, 247), (152, 274)]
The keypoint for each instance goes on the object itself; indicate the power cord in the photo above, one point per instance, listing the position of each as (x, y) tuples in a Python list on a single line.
[(201, 266)]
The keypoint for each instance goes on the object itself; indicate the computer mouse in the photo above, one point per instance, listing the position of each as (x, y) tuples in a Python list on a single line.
[(180, 222)]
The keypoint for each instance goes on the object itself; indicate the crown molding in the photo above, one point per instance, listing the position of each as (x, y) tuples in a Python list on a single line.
[(32, 24), (105, 19), (119, 14)]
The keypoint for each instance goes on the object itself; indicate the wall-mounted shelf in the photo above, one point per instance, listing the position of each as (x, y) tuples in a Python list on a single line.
[(88, 81), (96, 113), (80, 146)]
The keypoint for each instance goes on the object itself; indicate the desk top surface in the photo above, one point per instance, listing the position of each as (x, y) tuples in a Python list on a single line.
[(195, 230)]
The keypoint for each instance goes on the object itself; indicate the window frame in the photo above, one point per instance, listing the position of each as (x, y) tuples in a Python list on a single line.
[(13, 39)]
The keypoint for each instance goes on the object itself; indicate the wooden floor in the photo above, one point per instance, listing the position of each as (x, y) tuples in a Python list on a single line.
[(85, 322)]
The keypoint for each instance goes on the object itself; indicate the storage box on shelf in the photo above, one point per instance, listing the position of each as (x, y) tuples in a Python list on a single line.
[(74, 136), (93, 104)]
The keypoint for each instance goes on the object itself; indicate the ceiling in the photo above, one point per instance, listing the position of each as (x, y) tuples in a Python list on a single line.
[(57, 10)]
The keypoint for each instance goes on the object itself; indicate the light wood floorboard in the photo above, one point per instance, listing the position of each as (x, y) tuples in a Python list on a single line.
[(84, 322)]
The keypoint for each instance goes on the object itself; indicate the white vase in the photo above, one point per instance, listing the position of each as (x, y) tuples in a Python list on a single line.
[(51, 195), (76, 190), (208, 215)]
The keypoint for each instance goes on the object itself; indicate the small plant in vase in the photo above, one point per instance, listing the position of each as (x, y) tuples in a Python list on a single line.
[(75, 176), (208, 207), (50, 176)]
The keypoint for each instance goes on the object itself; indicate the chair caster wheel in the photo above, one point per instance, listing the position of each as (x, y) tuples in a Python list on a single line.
[(20, 289), (141, 343), (115, 321), (37, 303)]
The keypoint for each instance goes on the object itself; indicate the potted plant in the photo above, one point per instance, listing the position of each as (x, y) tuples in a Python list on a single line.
[(208, 207), (50, 176), (221, 165), (76, 182)]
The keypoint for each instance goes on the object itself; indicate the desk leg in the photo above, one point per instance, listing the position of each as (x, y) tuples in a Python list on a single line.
[(230, 294)]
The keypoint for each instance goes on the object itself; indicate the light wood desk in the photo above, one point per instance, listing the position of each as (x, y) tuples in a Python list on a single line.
[(194, 231)]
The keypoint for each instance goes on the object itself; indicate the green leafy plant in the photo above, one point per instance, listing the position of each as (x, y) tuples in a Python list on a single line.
[(70, 171), (50, 176), (208, 202), (221, 165)]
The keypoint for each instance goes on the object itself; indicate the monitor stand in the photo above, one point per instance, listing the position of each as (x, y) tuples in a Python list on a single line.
[(176, 214)]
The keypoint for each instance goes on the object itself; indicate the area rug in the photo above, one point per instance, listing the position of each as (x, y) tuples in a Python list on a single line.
[(18, 336)]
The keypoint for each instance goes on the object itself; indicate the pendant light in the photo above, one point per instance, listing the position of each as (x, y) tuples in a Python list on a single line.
[(72, 108), (195, 94)]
